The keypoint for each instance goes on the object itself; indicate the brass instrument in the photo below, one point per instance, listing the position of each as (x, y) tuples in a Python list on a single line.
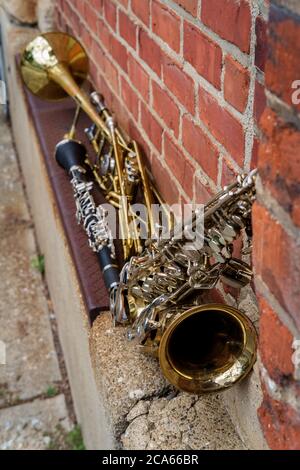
[(54, 65), (201, 347)]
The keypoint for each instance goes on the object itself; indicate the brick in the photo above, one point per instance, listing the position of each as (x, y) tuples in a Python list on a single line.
[(127, 29), (150, 52), (229, 19), (236, 84), (228, 173), (152, 128), (81, 6), (180, 166), (130, 98), (105, 66), (275, 345), (224, 127), (124, 3), (136, 134), (119, 53), (283, 64), (141, 8), (138, 77), (191, 6), (85, 37), (261, 47), (110, 13), (280, 424), (200, 148), (259, 101), (202, 192), (166, 24), (164, 182), (254, 157), (279, 161), (104, 35), (166, 108), (276, 258), (91, 17), (97, 4), (180, 84), (203, 54)]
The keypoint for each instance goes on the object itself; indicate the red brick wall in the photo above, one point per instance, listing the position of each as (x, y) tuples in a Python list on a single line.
[(180, 81), (185, 78), (277, 234)]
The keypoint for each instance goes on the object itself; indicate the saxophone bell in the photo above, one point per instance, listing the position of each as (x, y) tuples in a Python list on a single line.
[(207, 348)]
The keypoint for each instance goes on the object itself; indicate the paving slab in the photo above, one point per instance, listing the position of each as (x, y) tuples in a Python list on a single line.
[(31, 362), (38, 425)]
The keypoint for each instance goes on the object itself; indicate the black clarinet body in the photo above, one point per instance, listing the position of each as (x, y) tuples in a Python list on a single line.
[(71, 156)]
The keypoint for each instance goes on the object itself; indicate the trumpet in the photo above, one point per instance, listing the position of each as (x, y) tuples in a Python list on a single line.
[(201, 347)]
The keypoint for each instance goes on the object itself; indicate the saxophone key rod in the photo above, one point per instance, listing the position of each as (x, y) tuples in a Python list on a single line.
[(70, 155)]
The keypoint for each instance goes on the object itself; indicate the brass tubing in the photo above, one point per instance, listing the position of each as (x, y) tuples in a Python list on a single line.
[(61, 75), (147, 191)]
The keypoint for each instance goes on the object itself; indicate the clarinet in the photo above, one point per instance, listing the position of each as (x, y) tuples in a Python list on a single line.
[(71, 155)]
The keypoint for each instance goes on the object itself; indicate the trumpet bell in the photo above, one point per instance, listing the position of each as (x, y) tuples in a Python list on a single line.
[(208, 348), (44, 53)]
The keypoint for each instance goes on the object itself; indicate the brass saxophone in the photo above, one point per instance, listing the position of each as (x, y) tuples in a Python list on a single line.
[(201, 347)]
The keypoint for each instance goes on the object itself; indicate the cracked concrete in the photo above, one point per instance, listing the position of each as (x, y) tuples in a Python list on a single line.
[(147, 413), (37, 425)]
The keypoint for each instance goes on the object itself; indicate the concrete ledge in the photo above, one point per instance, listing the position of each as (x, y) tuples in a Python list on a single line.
[(120, 396)]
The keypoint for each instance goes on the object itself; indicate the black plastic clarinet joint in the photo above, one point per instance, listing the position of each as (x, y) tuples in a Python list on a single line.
[(109, 268), (69, 153)]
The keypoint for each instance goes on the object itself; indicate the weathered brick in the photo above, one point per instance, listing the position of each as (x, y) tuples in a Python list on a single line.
[(166, 108), (229, 19), (200, 148), (130, 98), (166, 24), (224, 127), (179, 83), (150, 52), (138, 77), (152, 128), (275, 344), (236, 84), (283, 64), (261, 47), (276, 257), (191, 6), (110, 13), (127, 29), (280, 423), (279, 161), (141, 8), (179, 165), (203, 54)]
